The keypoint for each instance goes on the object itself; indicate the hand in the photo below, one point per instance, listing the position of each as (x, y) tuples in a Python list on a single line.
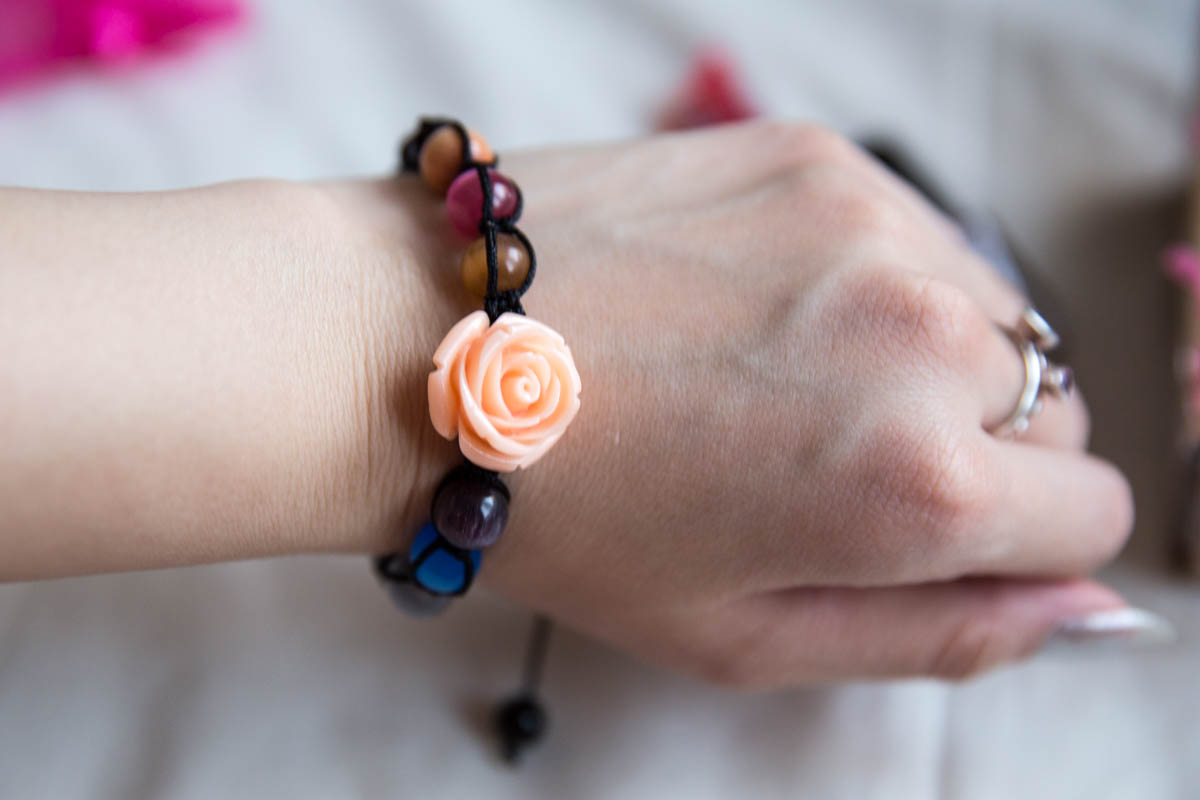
[(781, 471)]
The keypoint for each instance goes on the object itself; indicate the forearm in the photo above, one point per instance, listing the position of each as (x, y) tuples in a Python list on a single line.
[(220, 373)]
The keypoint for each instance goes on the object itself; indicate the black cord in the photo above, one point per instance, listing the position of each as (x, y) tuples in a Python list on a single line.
[(521, 720), (535, 653)]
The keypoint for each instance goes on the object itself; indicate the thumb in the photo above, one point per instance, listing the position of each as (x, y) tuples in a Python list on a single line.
[(949, 630)]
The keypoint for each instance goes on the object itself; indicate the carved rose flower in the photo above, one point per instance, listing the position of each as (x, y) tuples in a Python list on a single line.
[(507, 390)]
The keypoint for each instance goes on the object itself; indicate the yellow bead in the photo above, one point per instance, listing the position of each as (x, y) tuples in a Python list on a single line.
[(512, 262), (440, 160)]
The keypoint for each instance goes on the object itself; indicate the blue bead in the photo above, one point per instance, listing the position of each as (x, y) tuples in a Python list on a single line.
[(443, 567), (425, 537)]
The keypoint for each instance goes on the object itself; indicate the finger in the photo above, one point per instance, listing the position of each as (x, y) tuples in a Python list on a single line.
[(949, 630), (1047, 512), (1063, 422)]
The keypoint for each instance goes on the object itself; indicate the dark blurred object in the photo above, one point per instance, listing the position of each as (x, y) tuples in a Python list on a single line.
[(521, 719), (521, 723), (1181, 263)]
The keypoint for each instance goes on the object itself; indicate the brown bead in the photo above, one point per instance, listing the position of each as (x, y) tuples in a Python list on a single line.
[(512, 262), (440, 160)]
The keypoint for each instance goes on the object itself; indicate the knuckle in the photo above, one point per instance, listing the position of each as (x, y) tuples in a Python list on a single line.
[(935, 317), (971, 648), (740, 662), (946, 486), (864, 214), (930, 491), (916, 317), (795, 145), (730, 669)]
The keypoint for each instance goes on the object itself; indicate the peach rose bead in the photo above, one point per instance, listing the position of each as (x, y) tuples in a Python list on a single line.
[(507, 391)]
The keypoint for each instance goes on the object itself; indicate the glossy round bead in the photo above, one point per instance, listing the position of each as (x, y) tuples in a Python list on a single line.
[(437, 567), (512, 262), (440, 159), (469, 511), (464, 200), (521, 722)]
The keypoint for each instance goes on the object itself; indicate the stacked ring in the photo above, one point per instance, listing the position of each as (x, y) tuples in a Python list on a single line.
[(1033, 337)]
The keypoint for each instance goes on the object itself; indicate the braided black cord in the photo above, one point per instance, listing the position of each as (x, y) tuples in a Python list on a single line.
[(521, 720), (495, 302)]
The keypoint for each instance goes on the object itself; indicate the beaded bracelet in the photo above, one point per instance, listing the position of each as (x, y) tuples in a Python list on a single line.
[(504, 385)]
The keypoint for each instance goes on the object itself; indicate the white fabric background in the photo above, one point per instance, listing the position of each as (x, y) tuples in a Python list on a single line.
[(295, 678)]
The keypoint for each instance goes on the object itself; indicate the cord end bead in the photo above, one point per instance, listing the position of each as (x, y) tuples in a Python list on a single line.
[(521, 722)]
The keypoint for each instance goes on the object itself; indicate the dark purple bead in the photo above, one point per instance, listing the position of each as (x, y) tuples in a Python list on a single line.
[(470, 511)]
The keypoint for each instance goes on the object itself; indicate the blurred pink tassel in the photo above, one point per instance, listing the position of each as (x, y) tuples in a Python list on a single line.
[(1182, 264), (35, 35), (712, 93)]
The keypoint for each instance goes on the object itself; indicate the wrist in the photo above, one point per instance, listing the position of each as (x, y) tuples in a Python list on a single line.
[(389, 234)]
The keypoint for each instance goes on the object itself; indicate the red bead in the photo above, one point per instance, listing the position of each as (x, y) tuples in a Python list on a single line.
[(464, 200)]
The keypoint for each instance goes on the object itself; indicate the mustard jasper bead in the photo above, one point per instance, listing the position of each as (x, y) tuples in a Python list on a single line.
[(440, 160), (512, 263)]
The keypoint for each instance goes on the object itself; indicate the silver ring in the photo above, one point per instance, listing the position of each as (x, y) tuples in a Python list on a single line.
[(1032, 337)]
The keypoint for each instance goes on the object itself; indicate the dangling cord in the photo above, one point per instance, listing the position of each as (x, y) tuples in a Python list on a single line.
[(521, 720)]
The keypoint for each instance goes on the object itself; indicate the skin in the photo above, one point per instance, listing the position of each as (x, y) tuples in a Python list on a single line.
[(781, 472)]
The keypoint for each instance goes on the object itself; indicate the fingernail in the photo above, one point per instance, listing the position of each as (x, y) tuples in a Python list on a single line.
[(1115, 629)]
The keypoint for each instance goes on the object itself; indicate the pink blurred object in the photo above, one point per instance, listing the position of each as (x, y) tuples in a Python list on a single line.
[(1182, 263), (36, 35), (711, 93)]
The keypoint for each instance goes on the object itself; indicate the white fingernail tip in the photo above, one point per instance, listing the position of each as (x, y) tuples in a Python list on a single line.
[(1117, 628)]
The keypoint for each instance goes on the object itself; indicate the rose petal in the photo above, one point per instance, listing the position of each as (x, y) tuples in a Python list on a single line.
[(492, 399), (481, 356), (471, 415), (461, 336), (540, 450), (443, 399), (443, 404), (480, 453)]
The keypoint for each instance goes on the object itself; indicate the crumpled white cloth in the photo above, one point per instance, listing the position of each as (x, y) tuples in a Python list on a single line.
[(294, 678)]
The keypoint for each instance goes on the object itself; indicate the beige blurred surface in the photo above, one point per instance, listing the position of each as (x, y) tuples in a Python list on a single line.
[(295, 678)]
